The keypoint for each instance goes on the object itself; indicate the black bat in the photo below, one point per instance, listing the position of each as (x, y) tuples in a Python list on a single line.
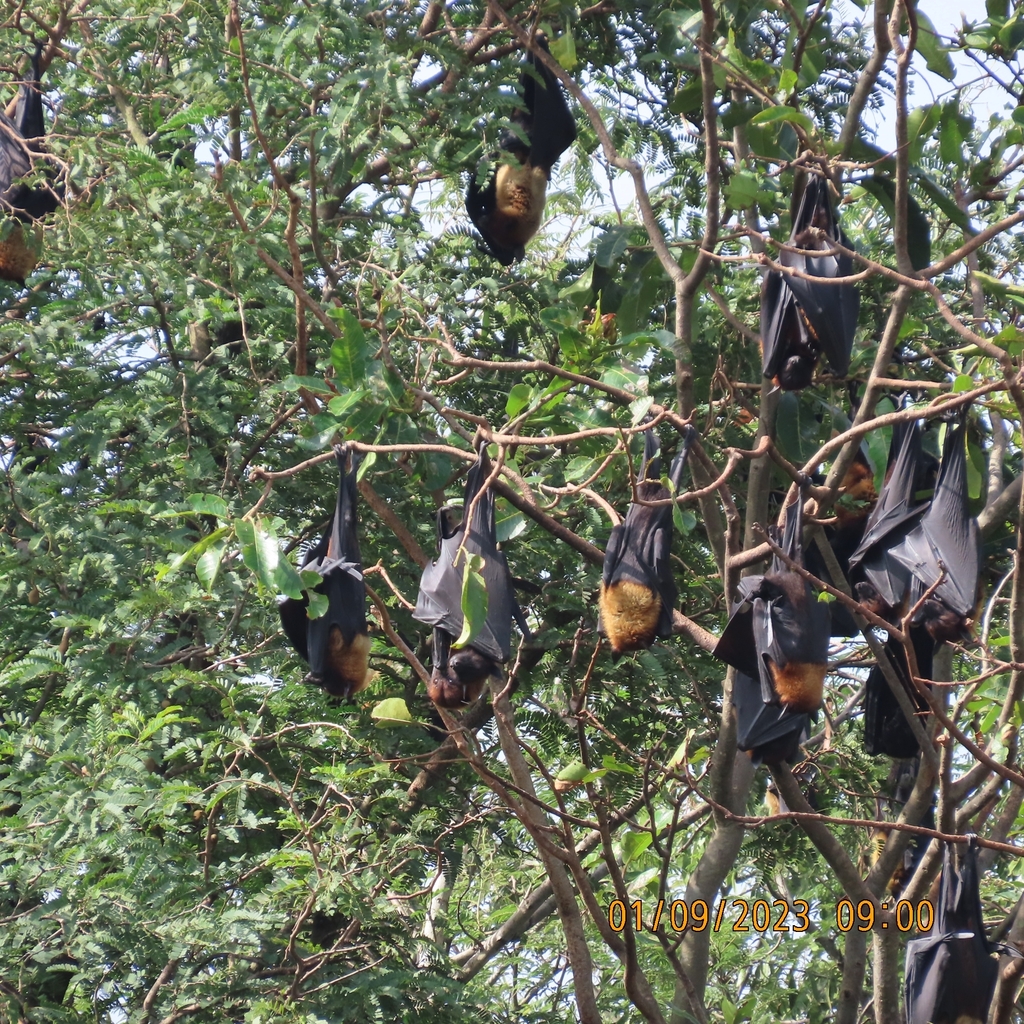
[(19, 140), (945, 543), (881, 579), (886, 730), (337, 644), (801, 319), (778, 635), (905, 545), (458, 677), (638, 589), (507, 210), (950, 974)]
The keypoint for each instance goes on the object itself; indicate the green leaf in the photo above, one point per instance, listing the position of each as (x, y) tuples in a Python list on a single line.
[(391, 711), (208, 565), (962, 383), (518, 399), (634, 844), (209, 504), (929, 45), (474, 601), (350, 353), (783, 114), (741, 190)]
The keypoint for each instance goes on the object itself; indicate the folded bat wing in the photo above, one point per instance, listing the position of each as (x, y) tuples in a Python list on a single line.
[(830, 309), (948, 534), (950, 975), (767, 730), (439, 602)]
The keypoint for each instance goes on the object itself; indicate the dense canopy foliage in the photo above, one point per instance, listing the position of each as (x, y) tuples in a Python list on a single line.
[(263, 250)]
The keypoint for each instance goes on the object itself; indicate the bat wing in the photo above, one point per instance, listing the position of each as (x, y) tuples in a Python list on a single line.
[(28, 113), (439, 602), (886, 730), (830, 309), (950, 976), (769, 731), (295, 622), (951, 531), (895, 509), (782, 327), (15, 161), (736, 644), (552, 128)]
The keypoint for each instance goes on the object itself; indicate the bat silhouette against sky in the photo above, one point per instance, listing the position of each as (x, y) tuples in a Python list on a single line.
[(337, 644), (950, 974), (800, 318), (508, 208), (638, 589), (777, 638), (458, 675), (19, 140)]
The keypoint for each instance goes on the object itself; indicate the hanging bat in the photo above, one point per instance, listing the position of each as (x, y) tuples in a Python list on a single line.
[(945, 539), (886, 730), (777, 634), (19, 140), (508, 208), (638, 589), (458, 676), (800, 318), (337, 644), (950, 974), (882, 580)]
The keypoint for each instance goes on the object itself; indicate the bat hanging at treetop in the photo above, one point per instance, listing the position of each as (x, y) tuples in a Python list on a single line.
[(459, 672), (506, 202), (777, 638), (801, 318), (22, 203), (950, 974), (336, 644), (638, 589)]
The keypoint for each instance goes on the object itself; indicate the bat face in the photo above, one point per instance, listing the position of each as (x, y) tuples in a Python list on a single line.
[(336, 645), (800, 318), (638, 589), (507, 209), (778, 634), (950, 975), (458, 676)]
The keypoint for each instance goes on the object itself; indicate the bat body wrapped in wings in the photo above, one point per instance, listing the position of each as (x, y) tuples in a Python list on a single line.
[(458, 676), (950, 974), (638, 590), (337, 644), (20, 139), (777, 638), (908, 547), (508, 207), (801, 318)]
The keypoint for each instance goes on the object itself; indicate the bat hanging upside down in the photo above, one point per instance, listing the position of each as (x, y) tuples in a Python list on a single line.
[(638, 590), (458, 676), (337, 644), (508, 208)]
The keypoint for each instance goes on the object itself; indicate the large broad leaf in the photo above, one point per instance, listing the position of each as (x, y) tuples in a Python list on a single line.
[(474, 601), (919, 233), (350, 353)]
